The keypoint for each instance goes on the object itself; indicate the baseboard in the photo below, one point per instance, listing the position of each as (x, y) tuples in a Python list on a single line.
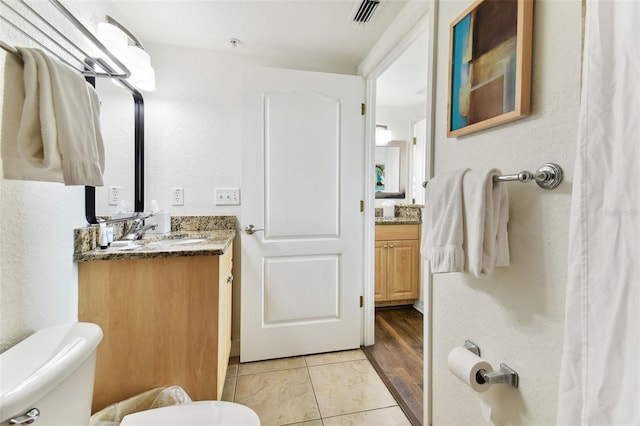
[(235, 348), (419, 306)]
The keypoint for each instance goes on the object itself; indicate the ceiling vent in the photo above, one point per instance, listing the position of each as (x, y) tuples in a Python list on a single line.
[(363, 11)]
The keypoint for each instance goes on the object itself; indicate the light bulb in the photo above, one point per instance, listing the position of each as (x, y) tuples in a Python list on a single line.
[(113, 38), (143, 75), (383, 135)]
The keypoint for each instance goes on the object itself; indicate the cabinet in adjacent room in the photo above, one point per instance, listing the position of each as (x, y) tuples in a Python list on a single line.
[(397, 262)]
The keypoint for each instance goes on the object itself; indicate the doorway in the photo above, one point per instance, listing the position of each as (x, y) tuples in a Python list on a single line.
[(400, 95)]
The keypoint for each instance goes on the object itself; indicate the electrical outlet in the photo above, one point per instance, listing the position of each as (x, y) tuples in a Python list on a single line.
[(227, 196), (114, 195), (177, 196)]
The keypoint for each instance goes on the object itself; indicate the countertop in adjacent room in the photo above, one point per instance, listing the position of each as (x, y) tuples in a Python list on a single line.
[(397, 221)]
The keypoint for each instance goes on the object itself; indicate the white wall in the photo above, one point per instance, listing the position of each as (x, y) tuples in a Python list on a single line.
[(517, 316), (400, 120)]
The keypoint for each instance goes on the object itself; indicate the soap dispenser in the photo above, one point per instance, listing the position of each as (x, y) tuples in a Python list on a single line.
[(103, 239)]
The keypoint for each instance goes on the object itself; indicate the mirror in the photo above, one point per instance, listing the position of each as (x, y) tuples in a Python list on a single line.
[(391, 170)]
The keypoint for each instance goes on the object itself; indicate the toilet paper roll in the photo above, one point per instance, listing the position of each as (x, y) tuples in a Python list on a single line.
[(465, 365)]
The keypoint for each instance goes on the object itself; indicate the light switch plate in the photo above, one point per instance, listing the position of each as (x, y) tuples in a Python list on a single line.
[(227, 196)]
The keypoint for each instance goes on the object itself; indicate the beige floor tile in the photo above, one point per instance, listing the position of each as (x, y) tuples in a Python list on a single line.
[(392, 416), (333, 357), (279, 397), (349, 387), (311, 423), (271, 365), (229, 389)]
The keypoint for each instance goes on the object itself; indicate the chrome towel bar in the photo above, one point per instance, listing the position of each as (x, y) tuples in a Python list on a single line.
[(548, 176)]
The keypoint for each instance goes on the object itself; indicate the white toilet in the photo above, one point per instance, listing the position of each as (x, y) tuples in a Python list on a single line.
[(48, 378)]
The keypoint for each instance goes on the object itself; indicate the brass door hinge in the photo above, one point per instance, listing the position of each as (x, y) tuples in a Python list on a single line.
[(363, 109), (361, 301), (415, 141), (361, 205)]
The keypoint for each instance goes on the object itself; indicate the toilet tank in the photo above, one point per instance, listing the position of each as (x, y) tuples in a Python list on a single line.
[(53, 371)]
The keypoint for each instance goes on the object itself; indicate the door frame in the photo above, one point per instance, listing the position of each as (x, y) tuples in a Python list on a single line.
[(415, 20)]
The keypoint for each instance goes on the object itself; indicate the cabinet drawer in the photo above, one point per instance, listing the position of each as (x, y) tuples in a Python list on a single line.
[(397, 232)]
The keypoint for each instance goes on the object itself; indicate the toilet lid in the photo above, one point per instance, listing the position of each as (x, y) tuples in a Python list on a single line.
[(196, 413)]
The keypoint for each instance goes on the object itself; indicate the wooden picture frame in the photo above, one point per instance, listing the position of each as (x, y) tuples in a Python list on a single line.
[(489, 65)]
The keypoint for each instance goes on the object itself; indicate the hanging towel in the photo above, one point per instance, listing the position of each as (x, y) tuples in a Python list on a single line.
[(14, 165), (442, 232), (59, 134), (486, 214)]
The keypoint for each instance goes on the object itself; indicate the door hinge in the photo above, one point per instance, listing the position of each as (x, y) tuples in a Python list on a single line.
[(361, 205), (361, 301), (363, 109), (415, 141)]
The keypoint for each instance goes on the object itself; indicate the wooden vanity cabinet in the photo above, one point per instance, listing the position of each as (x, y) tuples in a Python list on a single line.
[(397, 263), (166, 321)]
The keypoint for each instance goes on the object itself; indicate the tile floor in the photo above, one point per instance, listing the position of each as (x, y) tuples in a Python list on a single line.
[(334, 389)]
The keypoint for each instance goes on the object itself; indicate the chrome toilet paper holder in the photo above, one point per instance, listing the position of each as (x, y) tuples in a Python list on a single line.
[(505, 375)]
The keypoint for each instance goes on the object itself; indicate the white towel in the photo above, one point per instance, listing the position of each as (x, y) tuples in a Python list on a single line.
[(59, 134), (442, 232), (486, 214), (14, 165)]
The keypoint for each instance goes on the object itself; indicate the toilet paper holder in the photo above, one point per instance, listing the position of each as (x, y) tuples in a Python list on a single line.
[(504, 375)]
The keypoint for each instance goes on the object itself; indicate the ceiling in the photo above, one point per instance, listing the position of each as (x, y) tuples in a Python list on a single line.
[(310, 30)]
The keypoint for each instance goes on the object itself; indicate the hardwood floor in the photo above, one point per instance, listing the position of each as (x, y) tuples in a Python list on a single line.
[(397, 356)]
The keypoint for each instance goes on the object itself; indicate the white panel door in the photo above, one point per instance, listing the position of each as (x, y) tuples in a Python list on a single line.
[(302, 170)]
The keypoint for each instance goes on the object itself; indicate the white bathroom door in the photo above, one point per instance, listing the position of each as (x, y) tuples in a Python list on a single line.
[(302, 171)]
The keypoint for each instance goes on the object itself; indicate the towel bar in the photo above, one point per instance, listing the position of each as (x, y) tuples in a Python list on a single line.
[(548, 176)]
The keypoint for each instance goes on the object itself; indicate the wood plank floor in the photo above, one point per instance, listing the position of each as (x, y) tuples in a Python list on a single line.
[(397, 356)]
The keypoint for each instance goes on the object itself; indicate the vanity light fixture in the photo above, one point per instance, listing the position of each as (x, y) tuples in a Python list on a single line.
[(129, 50), (383, 134)]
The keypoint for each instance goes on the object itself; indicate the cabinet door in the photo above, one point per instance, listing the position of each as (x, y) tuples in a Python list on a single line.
[(224, 318), (403, 270), (381, 271)]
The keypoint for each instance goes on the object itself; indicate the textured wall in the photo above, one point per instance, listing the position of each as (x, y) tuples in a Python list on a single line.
[(38, 279), (516, 317)]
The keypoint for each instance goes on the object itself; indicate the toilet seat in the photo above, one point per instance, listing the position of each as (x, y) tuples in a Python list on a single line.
[(196, 413)]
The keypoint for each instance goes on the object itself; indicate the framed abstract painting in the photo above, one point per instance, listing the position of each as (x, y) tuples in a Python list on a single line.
[(489, 65)]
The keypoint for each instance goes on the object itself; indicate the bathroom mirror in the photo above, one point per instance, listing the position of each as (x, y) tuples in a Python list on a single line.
[(391, 170)]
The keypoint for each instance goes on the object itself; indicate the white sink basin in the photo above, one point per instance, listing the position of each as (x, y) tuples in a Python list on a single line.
[(168, 243), (185, 241)]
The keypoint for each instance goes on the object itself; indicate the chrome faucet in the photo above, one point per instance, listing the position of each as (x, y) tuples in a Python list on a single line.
[(137, 231)]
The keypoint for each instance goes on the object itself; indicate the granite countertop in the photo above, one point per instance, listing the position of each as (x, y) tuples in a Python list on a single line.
[(404, 214), (175, 244), (398, 221)]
